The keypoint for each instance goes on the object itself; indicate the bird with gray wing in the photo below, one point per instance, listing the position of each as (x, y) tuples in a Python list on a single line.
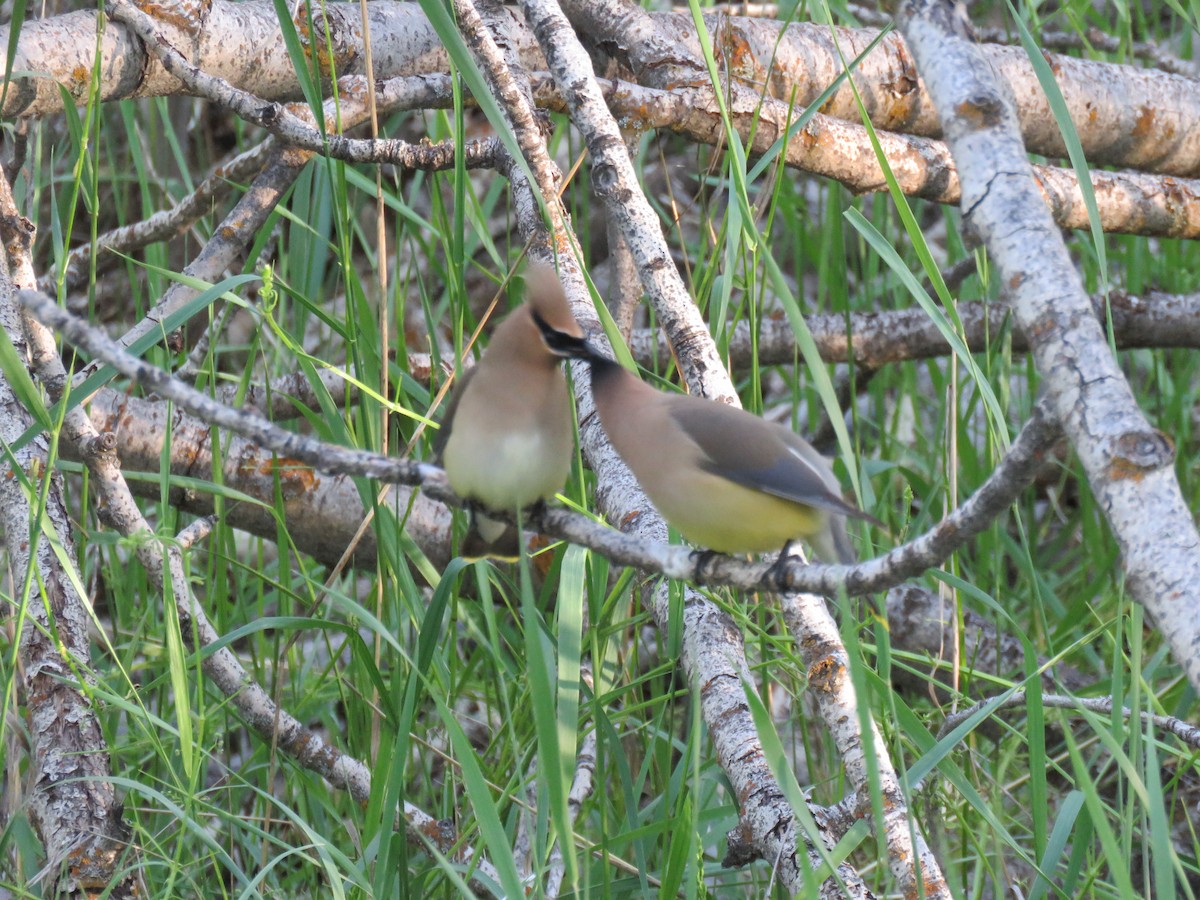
[(725, 479), (508, 437)]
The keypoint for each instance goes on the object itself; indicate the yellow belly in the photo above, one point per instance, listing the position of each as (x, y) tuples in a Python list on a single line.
[(718, 514)]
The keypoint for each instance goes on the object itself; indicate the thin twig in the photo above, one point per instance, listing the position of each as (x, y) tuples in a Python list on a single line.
[(1009, 478), (1186, 732)]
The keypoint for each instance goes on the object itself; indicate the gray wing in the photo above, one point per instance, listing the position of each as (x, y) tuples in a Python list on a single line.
[(762, 455)]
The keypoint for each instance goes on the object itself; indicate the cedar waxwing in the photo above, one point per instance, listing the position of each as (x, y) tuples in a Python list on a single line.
[(508, 434), (725, 479)]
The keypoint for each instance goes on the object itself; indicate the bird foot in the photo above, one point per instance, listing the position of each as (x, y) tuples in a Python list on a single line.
[(702, 558), (534, 512), (777, 574)]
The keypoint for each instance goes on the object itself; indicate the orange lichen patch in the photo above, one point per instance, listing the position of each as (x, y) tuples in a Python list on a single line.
[(823, 672), (983, 111), (637, 115), (1144, 126), (1053, 63), (295, 478), (562, 243), (739, 55), (187, 16), (81, 74), (806, 139), (94, 862), (295, 157), (322, 43), (630, 519), (1040, 327), (903, 95), (1179, 200), (304, 32), (440, 832), (353, 87), (1138, 453), (1124, 470)]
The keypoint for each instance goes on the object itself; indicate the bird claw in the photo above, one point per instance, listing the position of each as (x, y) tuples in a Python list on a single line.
[(702, 558), (778, 572), (534, 512)]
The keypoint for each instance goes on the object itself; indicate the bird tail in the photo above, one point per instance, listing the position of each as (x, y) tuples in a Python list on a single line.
[(832, 544), (489, 538)]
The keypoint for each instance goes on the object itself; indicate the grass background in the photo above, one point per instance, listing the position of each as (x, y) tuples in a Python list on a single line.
[(458, 686)]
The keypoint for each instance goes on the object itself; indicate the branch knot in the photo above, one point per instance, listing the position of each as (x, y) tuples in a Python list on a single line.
[(1137, 453)]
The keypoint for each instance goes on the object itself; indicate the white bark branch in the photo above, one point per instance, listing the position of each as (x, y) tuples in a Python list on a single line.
[(322, 512), (1125, 116), (164, 561), (73, 805), (1130, 464), (860, 743), (1128, 202), (1101, 706)]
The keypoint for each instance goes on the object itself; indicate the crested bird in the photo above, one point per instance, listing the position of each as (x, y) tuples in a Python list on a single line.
[(727, 480), (507, 440)]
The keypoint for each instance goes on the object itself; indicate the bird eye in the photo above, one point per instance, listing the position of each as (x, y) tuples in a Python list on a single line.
[(559, 342), (543, 326)]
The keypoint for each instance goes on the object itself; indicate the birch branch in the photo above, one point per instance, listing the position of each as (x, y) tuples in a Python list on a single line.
[(647, 552), (907, 847), (876, 339), (252, 210), (921, 623), (400, 93), (1154, 320), (1125, 116), (222, 667), (1128, 202), (1130, 464), (1102, 706), (614, 180), (860, 744), (711, 651), (323, 513), (582, 786), (278, 119), (236, 233), (239, 43), (73, 805), (712, 654), (616, 183), (163, 224), (1093, 39)]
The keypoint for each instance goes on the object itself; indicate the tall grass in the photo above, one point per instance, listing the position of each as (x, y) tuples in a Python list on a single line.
[(463, 688)]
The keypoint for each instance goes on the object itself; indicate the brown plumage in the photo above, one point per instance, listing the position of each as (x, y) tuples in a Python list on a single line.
[(725, 479), (509, 433)]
